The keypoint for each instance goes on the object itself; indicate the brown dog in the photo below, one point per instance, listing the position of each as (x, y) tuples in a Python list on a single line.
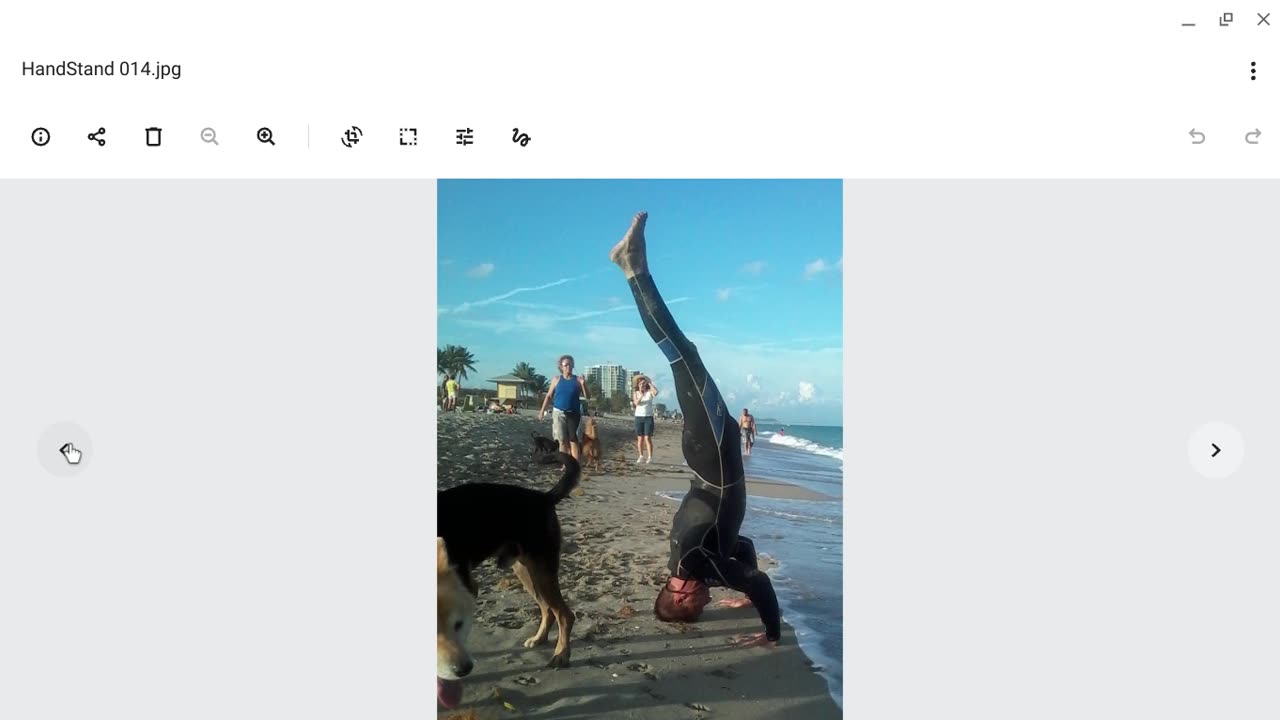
[(590, 443)]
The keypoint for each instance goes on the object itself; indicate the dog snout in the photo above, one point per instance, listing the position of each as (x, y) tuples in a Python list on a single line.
[(464, 668)]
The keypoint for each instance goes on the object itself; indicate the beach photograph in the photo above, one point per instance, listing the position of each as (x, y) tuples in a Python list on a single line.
[(640, 449)]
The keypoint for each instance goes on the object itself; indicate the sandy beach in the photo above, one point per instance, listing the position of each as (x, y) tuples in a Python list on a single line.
[(626, 664)]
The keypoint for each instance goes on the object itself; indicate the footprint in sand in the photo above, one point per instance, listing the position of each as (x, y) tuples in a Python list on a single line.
[(638, 667), (526, 680)]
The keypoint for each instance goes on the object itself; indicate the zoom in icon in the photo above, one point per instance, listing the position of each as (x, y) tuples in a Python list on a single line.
[(266, 136)]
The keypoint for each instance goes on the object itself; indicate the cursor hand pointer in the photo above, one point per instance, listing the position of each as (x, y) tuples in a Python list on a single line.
[(70, 452)]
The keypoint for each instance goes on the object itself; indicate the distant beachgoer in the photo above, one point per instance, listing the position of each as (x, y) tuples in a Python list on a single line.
[(567, 389), (642, 395), (747, 424), (706, 548), (451, 394)]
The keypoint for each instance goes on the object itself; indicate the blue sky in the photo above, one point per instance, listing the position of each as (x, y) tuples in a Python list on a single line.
[(752, 271)]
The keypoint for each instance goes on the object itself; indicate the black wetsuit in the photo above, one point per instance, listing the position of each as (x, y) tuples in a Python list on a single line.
[(705, 544)]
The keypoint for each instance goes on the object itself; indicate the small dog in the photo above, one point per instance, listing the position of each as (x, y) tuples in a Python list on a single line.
[(544, 444), (520, 528), (455, 611), (591, 443)]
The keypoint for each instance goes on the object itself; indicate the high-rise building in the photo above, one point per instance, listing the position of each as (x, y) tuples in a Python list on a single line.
[(612, 378)]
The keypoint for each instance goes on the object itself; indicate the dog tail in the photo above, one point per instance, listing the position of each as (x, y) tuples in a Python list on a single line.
[(568, 481)]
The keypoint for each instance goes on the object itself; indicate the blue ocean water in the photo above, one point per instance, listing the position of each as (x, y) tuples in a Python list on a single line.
[(805, 537)]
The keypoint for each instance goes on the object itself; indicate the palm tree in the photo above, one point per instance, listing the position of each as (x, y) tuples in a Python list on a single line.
[(525, 372), (455, 360)]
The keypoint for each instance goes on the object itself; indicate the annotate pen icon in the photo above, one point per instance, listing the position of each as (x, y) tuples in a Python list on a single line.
[(70, 452)]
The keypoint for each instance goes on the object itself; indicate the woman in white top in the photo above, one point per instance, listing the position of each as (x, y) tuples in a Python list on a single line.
[(642, 400)]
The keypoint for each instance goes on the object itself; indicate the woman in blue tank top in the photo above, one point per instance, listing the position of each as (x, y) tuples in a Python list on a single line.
[(566, 389)]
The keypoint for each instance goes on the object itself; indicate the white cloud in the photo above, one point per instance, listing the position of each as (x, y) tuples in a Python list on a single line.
[(481, 270), (755, 267), (753, 382), (806, 391), (815, 268), (613, 300), (723, 294)]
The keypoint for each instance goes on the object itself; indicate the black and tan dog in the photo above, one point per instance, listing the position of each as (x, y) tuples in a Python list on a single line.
[(544, 444), (519, 527)]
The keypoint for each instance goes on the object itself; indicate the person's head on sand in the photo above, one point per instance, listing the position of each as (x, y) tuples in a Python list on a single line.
[(681, 600), (642, 383), (566, 365), (745, 413)]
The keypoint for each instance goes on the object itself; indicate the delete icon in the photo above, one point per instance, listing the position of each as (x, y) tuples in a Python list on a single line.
[(153, 137)]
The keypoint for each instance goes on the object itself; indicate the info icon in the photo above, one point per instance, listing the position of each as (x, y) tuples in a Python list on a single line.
[(40, 136)]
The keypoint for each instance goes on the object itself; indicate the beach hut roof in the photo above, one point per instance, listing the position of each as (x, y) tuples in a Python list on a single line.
[(508, 379)]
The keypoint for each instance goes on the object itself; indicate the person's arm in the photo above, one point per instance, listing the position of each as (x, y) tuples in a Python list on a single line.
[(582, 383), (755, 585), (551, 390)]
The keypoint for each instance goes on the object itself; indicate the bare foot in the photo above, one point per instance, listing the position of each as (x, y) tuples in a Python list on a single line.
[(629, 254), (735, 602)]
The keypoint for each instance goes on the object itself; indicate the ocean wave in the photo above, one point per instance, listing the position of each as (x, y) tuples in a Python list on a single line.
[(799, 443), (828, 519)]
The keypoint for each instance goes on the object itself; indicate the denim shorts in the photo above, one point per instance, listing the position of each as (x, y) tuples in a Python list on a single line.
[(644, 425)]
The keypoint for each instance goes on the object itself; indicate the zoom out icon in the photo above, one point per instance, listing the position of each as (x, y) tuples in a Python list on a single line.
[(351, 137)]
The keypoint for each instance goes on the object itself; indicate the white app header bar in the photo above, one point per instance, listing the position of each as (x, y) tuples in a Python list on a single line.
[(999, 89)]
